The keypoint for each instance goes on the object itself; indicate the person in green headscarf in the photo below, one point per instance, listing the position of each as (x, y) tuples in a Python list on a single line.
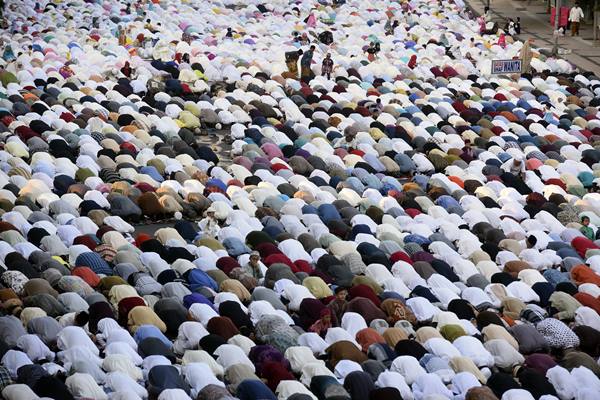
[(452, 332), (7, 77), (585, 229)]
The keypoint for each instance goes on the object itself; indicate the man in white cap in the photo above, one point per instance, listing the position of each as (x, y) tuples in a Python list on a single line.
[(516, 166), (209, 224)]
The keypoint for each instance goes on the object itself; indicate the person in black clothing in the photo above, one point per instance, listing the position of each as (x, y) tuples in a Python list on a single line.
[(126, 70), (229, 33), (327, 66), (518, 26), (326, 37)]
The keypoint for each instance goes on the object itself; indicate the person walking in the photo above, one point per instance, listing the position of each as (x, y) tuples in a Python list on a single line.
[(575, 17), (518, 26), (305, 61), (327, 66)]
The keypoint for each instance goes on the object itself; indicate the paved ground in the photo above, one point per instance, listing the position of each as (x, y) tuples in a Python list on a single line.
[(223, 150), (215, 140), (535, 23)]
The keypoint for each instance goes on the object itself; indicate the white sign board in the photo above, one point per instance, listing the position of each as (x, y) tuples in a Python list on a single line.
[(506, 66)]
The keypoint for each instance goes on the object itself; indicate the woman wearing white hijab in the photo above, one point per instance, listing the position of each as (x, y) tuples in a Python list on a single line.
[(123, 348), (287, 388), (517, 394), (441, 348), (313, 341), (71, 336), (19, 391), (422, 308), (338, 334), (299, 356), (462, 382), (173, 394), (84, 386), (408, 367), (34, 347), (198, 375), (313, 369), (122, 382), (473, 348), (295, 294), (200, 356), (344, 367), (294, 251), (353, 323), (505, 355), (202, 312), (228, 355), (428, 385), (189, 334), (394, 379), (587, 316), (13, 360), (110, 331), (122, 363), (565, 385)]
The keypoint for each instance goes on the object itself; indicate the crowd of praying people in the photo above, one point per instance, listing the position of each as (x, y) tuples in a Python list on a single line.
[(385, 219)]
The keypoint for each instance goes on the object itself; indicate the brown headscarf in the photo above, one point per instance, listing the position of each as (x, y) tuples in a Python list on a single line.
[(222, 326), (344, 350), (394, 335), (480, 393)]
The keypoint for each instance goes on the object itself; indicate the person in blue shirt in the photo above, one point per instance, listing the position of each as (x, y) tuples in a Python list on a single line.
[(305, 61)]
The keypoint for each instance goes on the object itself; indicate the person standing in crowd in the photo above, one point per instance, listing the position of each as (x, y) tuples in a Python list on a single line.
[(518, 26), (122, 36), (575, 17), (327, 66), (510, 27), (305, 62), (587, 231), (253, 266), (467, 154), (338, 304), (126, 70), (291, 61), (487, 14)]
